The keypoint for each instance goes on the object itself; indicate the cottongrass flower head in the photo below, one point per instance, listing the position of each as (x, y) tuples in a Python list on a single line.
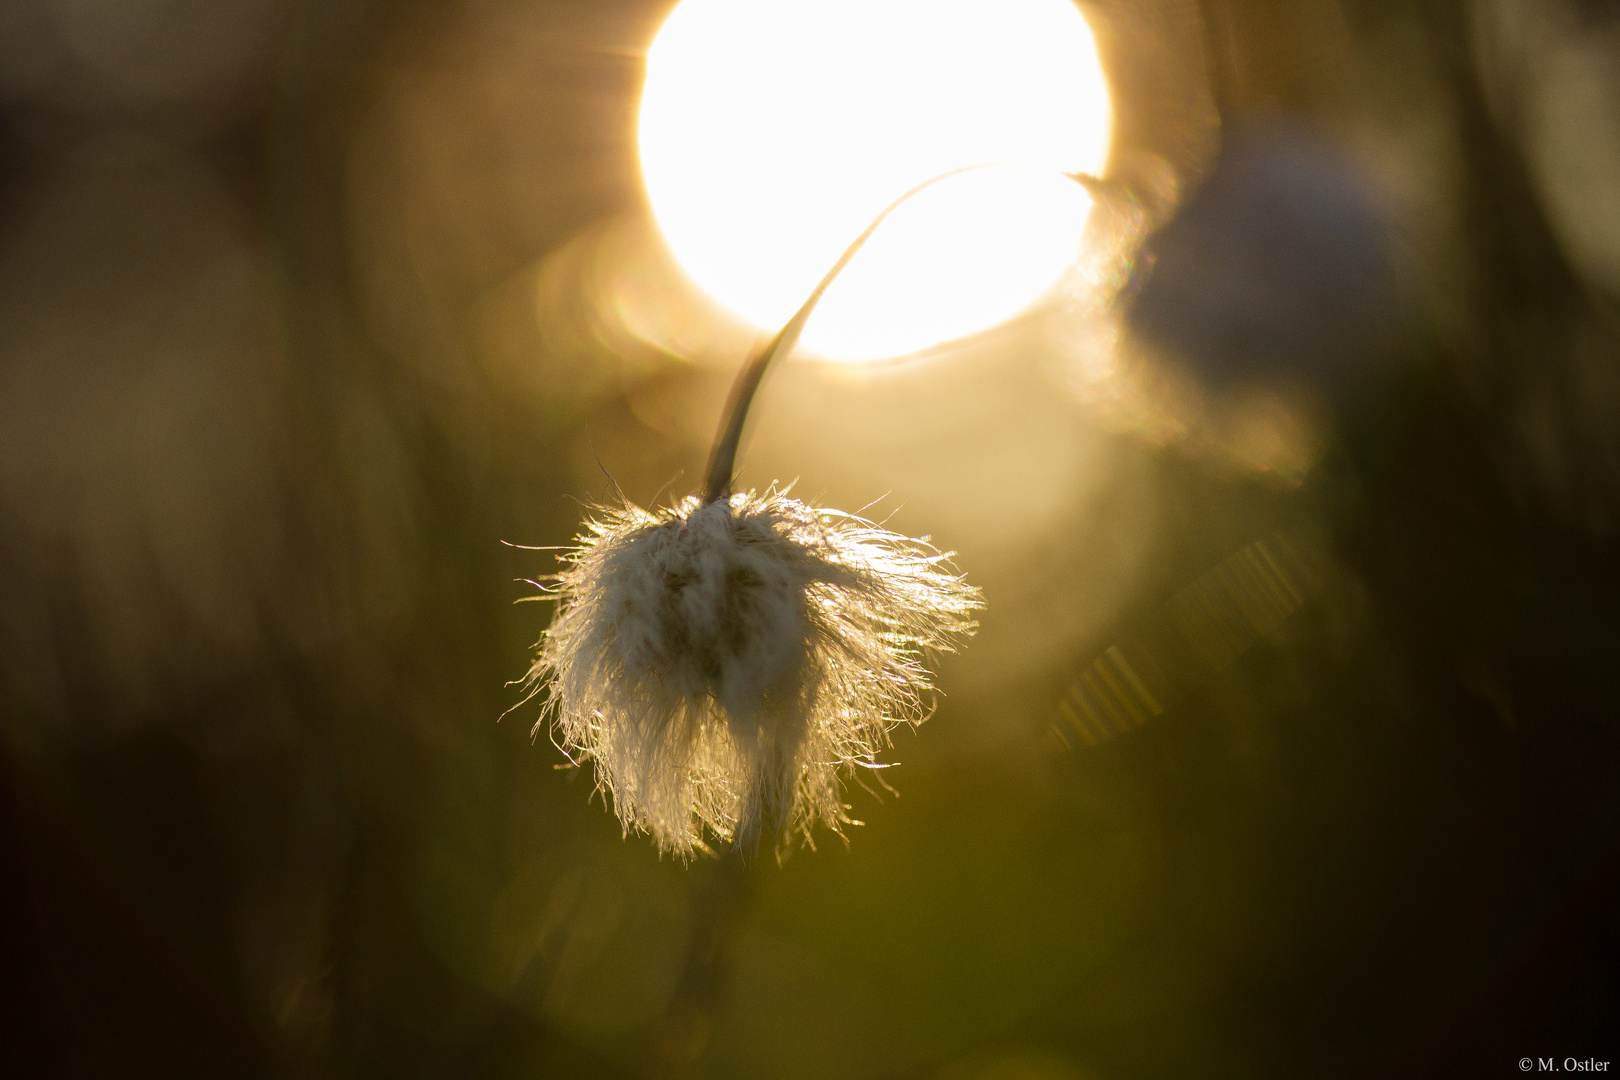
[(726, 661), (723, 662)]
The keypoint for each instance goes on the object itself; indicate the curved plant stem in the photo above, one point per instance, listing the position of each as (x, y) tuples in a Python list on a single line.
[(680, 1036), (723, 458)]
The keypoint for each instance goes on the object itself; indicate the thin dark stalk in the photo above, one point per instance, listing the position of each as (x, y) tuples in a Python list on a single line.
[(684, 1029), (723, 458)]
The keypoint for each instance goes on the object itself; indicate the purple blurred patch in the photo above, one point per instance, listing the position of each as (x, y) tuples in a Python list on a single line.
[(1277, 267)]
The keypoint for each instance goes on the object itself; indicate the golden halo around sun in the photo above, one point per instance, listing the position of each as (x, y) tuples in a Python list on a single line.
[(773, 131)]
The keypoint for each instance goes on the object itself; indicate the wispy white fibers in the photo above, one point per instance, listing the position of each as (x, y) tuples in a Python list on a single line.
[(722, 661)]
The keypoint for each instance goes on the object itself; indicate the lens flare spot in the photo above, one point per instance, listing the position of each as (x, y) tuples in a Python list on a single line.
[(772, 132)]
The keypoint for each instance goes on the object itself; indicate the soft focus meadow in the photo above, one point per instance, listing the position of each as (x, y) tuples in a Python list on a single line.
[(1289, 741)]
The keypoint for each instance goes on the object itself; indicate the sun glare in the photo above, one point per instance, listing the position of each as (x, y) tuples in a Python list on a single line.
[(773, 131)]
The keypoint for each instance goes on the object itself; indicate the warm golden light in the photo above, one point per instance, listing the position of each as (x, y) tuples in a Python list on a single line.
[(772, 131)]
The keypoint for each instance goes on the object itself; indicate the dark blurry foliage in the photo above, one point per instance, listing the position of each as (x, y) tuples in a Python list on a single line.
[(294, 333)]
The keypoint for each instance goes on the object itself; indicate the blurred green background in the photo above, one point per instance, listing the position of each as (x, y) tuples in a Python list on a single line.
[(308, 311)]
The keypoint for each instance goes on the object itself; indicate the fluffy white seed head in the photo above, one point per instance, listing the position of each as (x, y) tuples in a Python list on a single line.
[(721, 663)]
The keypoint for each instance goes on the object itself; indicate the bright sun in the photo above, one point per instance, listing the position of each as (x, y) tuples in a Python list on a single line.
[(772, 131)]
